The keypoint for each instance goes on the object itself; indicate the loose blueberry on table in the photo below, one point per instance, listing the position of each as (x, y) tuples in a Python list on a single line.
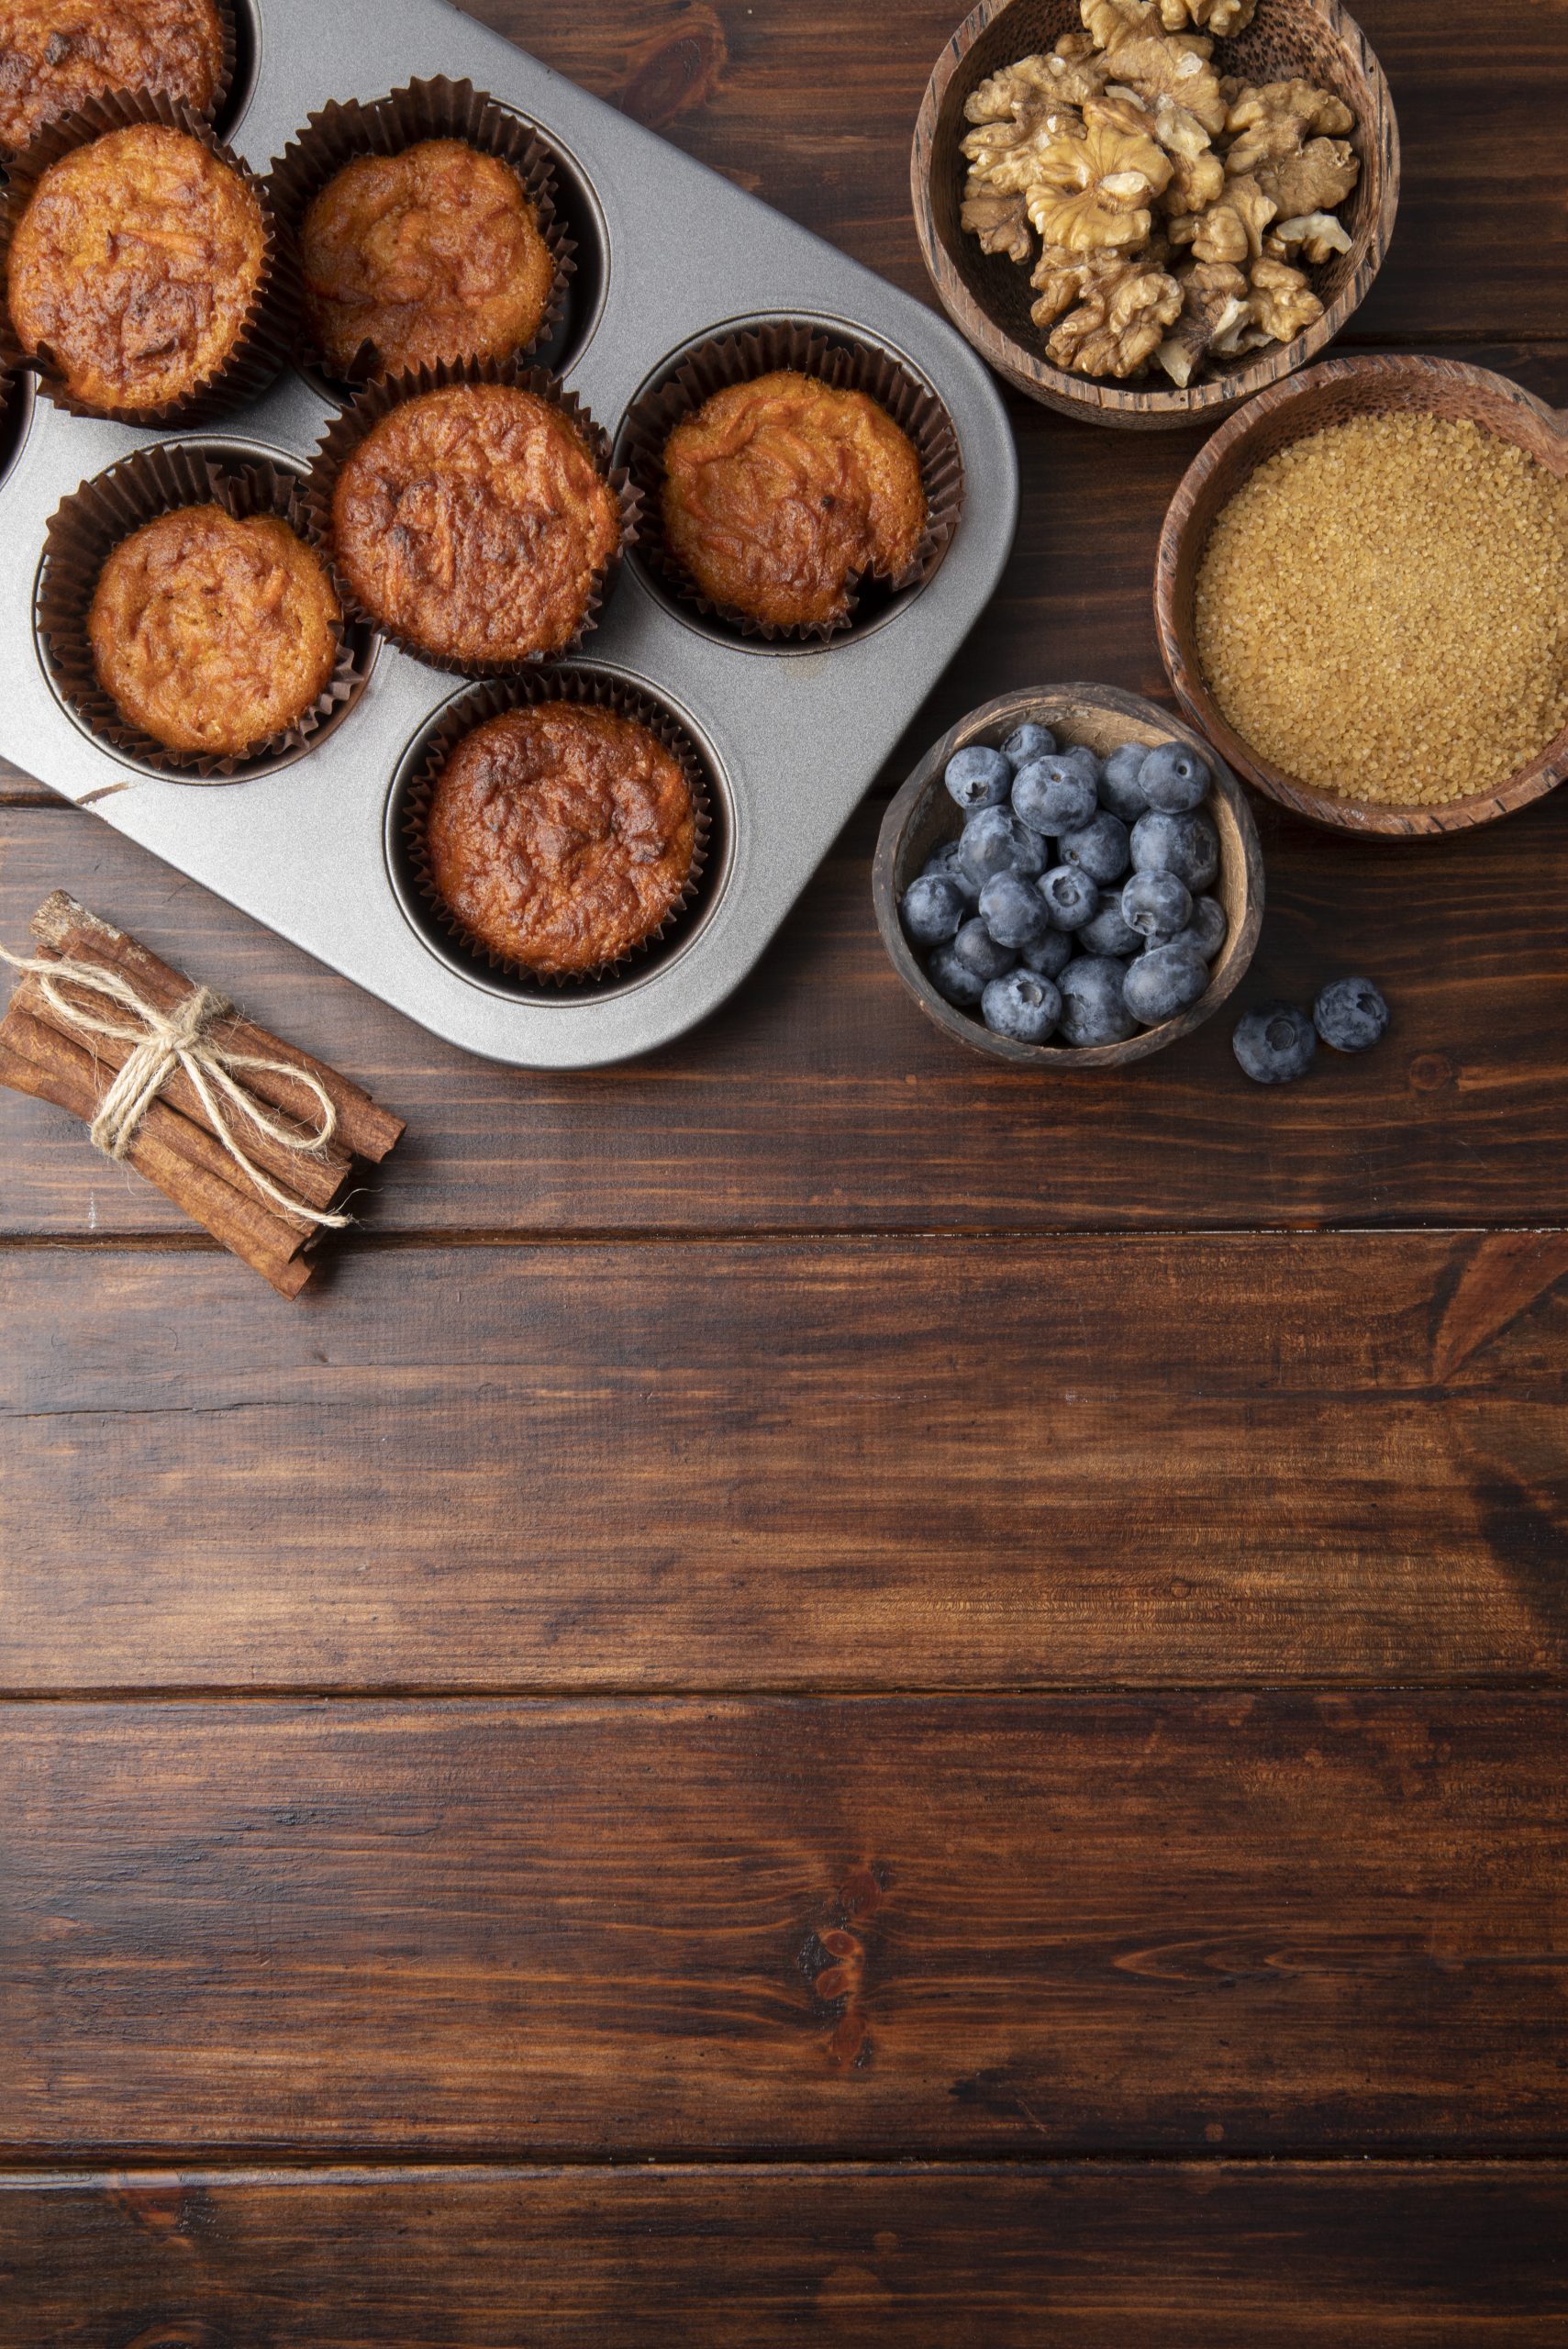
[(1278, 1043), (1070, 908)]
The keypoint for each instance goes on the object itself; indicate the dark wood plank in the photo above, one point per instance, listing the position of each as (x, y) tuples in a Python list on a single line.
[(812, 107), (820, 1097), (861, 1927), (1165, 1462), (1011, 2257)]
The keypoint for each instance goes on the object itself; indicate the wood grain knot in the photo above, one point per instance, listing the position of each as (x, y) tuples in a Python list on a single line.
[(677, 71), (833, 1960)]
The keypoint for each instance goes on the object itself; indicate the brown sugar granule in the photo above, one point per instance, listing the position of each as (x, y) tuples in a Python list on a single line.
[(1382, 611)]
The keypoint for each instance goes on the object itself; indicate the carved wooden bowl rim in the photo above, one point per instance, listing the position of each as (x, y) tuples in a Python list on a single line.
[(1288, 412), (1109, 402), (921, 813)]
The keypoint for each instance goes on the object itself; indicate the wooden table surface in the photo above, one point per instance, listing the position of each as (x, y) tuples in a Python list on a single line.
[(824, 1687)]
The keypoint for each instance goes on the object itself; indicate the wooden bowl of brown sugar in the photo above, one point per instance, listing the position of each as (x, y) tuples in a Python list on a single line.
[(988, 298), (1482, 644)]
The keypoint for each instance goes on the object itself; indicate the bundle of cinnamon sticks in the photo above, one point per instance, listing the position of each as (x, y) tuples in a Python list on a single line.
[(176, 1144)]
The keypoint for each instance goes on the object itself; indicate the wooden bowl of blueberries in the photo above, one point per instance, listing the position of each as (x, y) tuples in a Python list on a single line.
[(1070, 879)]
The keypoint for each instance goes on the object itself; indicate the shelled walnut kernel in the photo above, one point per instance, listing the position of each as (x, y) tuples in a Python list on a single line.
[(1381, 610)]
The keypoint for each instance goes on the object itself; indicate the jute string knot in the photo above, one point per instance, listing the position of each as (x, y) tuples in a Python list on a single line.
[(182, 1039)]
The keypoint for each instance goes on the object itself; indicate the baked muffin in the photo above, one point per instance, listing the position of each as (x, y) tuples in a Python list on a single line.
[(137, 262), (562, 837), (211, 634), (475, 523), (57, 54), (781, 491), (435, 253)]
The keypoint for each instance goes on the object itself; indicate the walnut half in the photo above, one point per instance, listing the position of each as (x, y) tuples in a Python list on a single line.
[(1119, 324)]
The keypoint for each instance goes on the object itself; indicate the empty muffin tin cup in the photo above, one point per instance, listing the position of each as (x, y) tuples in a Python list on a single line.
[(265, 340), (343, 132), (582, 688), (848, 364), (353, 425), (82, 533)]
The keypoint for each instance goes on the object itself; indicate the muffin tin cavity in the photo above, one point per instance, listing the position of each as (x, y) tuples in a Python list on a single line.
[(17, 397), (245, 31), (108, 508), (578, 210), (734, 353), (582, 682), (360, 138)]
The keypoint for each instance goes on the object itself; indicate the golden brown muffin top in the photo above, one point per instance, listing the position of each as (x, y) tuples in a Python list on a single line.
[(475, 522), (213, 634), (779, 493), (56, 54), (435, 253), (562, 837), (137, 262)]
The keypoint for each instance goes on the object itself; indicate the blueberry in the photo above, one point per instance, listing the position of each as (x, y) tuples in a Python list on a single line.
[(932, 909), (1021, 1006), (1121, 790), (1157, 906), (1092, 1008), (1071, 895), (1055, 795), (1013, 909), (1188, 846), (995, 841), (978, 778), (1174, 779), (1351, 1016), (954, 979), (1108, 933), (1100, 847), (978, 951), (1028, 742), (1164, 981), (1275, 1043), (1208, 929), (947, 864), (1050, 955)]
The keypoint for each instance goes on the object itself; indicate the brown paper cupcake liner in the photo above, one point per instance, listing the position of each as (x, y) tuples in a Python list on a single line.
[(223, 84), (352, 426), (265, 341), (83, 532), (435, 109), (595, 689), (848, 365)]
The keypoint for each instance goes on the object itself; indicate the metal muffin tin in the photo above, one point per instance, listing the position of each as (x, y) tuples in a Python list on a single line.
[(793, 735)]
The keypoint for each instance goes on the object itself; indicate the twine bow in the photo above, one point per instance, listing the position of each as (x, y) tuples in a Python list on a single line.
[(164, 1041)]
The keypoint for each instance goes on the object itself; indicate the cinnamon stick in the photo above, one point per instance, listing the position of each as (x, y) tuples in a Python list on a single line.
[(317, 1178), (364, 1129), (167, 1149)]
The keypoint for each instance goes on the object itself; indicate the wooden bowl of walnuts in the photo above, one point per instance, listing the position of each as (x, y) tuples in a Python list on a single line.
[(1143, 211)]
